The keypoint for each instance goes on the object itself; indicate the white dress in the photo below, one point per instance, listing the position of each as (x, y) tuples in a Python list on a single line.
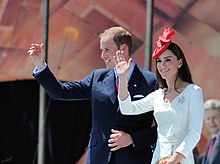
[(179, 122)]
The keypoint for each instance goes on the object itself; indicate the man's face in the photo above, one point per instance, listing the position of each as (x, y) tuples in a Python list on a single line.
[(212, 120), (108, 48)]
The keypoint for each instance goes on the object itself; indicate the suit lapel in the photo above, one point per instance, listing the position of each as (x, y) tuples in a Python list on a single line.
[(109, 83), (134, 81)]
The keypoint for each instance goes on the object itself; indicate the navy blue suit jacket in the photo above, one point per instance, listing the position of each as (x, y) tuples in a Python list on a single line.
[(99, 88)]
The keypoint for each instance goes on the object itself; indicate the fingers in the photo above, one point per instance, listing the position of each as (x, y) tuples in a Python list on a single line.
[(115, 59), (115, 131), (113, 142), (42, 47), (35, 49), (120, 56), (129, 61), (115, 148)]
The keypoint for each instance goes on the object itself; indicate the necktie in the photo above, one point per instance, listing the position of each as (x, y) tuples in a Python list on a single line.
[(210, 147)]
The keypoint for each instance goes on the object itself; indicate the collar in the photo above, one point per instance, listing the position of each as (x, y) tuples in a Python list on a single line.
[(216, 135)]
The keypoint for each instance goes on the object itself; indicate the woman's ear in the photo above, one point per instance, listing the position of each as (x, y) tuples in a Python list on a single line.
[(180, 63)]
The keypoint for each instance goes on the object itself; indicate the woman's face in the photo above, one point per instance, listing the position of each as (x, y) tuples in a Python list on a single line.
[(168, 65)]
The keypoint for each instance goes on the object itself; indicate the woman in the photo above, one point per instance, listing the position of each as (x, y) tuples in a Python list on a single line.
[(177, 104)]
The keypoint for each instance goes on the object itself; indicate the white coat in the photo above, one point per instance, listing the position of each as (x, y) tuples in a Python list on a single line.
[(179, 122)]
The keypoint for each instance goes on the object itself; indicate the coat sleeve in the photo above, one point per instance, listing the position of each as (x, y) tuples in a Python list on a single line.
[(78, 90), (144, 105)]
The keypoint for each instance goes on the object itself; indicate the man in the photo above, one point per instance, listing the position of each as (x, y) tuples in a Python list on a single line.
[(114, 138), (212, 122)]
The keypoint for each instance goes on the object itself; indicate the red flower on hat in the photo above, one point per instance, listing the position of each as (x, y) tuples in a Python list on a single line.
[(163, 42)]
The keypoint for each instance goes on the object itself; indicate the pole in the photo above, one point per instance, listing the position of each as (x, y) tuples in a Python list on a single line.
[(149, 32), (42, 94)]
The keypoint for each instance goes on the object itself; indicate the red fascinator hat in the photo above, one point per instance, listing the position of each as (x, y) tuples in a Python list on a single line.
[(163, 42)]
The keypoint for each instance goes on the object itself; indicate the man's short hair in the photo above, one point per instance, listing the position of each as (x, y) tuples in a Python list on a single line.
[(119, 35), (212, 104)]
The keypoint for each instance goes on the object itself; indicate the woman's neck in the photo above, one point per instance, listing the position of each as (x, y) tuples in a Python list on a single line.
[(173, 85)]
